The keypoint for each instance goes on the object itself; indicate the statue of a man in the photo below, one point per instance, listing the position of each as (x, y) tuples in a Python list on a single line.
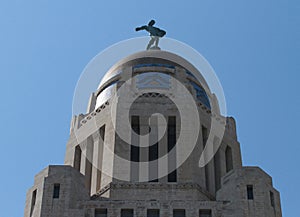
[(155, 33)]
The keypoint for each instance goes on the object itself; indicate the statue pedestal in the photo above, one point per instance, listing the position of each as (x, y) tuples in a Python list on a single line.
[(154, 48)]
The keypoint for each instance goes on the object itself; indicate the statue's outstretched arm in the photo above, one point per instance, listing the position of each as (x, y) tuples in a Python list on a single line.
[(141, 28)]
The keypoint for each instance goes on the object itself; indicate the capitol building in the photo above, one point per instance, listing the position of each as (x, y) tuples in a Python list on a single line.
[(136, 151)]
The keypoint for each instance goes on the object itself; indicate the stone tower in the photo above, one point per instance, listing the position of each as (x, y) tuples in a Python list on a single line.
[(115, 170)]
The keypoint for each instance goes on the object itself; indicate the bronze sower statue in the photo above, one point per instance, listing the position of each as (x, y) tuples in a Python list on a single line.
[(155, 34)]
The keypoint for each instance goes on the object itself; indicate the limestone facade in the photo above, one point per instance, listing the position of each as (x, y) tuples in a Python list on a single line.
[(93, 182)]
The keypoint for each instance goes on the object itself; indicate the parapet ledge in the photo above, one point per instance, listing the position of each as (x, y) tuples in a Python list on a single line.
[(54, 170), (247, 173), (156, 186)]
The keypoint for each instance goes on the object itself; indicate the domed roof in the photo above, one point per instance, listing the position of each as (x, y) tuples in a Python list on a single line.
[(150, 65), (151, 54)]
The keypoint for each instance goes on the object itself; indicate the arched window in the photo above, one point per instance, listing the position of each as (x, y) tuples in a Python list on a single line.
[(228, 156)]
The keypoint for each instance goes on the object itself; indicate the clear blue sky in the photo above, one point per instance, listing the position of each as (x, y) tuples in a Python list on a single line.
[(44, 46)]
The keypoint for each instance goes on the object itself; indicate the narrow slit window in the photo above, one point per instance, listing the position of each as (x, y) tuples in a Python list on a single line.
[(152, 156), (172, 176), (102, 133), (56, 190), (33, 200), (204, 136), (77, 158), (229, 162), (101, 147), (250, 195), (135, 150), (217, 171), (272, 199), (204, 140)]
